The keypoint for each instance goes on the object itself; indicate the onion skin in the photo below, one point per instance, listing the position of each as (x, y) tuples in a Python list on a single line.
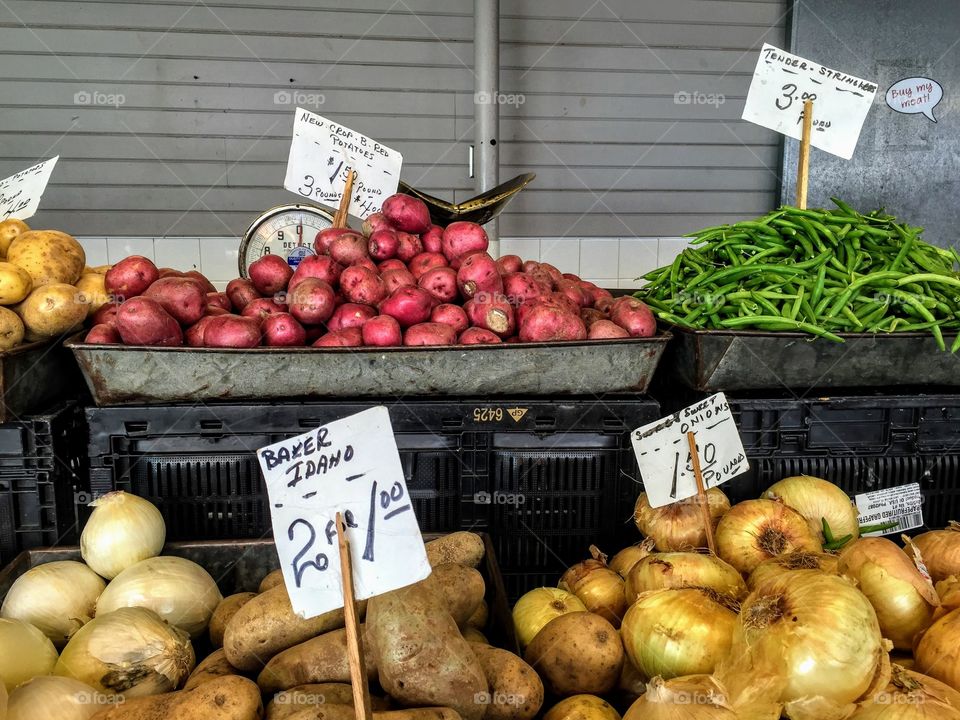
[(538, 607), (662, 571), (599, 588), (757, 530), (948, 590), (817, 499), (911, 696), (704, 697), (938, 652), (941, 551), (801, 560), (679, 526), (903, 599)]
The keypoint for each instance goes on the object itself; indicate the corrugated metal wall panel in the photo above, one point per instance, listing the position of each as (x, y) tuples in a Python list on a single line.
[(196, 143)]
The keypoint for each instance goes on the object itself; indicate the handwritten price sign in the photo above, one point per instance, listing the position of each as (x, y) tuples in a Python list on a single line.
[(322, 153), (351, 466), (782, 82), (663, 452), (20, 194)]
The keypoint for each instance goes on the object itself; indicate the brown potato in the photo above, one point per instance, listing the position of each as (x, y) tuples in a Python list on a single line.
[(472, 635), (582, 707), (516, 690), (93, 291), (227, 608), (227, 698), (49, 256), (464, 548), (215, 665), (11, 329), (462, 589), (480, 616), (51, 310), (289, 703), (9, 230), (15, 283), (346, 712), (322, 659), (271, 580)]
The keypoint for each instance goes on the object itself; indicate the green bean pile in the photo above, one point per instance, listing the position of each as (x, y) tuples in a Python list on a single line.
[(821, 272)]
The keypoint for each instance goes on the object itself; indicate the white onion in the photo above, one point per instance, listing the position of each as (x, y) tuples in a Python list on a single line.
[(129, 652), (25, 653), (57, 598), (178, 590), (818, 500), (123, 529), (538, 607), (54, 698)]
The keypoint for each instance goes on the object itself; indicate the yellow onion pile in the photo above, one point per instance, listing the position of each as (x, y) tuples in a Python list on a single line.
[(937, 653), (538, 607), (757, 530), (911, 696), (941, 551), (684, 569), (818, 501), (600, 589), (679, 526), (800, 560)]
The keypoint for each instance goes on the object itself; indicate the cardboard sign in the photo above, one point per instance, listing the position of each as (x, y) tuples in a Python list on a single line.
[(902, 505), (781, 83), (351, 466), (20, 194), (915, 96), (323, 152), (663, 453)]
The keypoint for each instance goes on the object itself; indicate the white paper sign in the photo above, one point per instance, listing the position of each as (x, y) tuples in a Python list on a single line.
[(20, 194), (781, 82), (322, 152), (663, 452), (902, 505), (351, 466)]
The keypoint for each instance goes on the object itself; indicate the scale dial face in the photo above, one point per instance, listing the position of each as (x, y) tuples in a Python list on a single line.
[(288, 231)]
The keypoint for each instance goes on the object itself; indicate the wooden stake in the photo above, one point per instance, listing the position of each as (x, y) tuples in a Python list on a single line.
[(340, 219), (803, 164), (701, 493), (358, 673)]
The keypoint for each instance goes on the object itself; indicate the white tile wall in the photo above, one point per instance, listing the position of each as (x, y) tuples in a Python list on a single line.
[(177, 253), (120, 247), (96, 251)]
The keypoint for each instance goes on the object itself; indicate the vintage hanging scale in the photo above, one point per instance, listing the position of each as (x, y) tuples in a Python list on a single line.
[(286, 230)]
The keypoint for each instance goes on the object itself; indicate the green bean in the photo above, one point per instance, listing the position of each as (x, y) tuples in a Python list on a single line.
[(779, 323)]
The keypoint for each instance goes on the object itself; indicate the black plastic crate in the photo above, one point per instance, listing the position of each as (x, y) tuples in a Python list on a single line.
[(42, 466), (545, 477)]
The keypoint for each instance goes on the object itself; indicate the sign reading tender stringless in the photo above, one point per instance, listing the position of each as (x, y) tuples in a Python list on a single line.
[(20, 194), (663, 451), (350, 466)]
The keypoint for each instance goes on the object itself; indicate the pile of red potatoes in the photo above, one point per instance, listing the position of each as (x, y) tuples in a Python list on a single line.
[(402, 281)]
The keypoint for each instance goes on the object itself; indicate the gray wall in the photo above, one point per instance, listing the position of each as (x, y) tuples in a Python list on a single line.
[(199, 143)]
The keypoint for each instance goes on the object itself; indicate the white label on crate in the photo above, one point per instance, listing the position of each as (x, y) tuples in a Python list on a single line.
[(350, 466), (902, 505), (781, 83), (20, 194), (663, 452), (322, 152)]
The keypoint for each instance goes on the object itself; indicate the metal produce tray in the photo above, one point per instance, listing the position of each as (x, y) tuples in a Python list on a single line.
[(123, 375), (35, 376), (715, 360)]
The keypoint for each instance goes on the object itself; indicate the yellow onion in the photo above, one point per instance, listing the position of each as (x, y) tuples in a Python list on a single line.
[(937, 653), (903, 598), (818, 500), (684, 569), (129, 652), (631, 682), (25, 653), (757, 530), (51, 697), (679, 526), (599, 588), (582, 707), (123, 529), (941, 551), (800, 560), (57, 598), (948, 590), (819, 634), (623, 561), (3, 701), (181, 592), (911, 696), (673, 632), (700, 697), (538, 607), (904, 660)]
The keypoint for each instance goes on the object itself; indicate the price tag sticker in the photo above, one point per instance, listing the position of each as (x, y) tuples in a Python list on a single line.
[(902, 505), (20, 194), (663, 452), (782, 82), (323, 152), (350, 466)]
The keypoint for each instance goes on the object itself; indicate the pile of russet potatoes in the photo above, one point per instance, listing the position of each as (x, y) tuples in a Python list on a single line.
[(402, 281)]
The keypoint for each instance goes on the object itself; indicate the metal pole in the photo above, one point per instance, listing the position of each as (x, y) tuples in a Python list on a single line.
[(486, 108)]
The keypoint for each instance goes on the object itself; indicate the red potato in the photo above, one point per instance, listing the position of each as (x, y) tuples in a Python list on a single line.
[(376, 221), (555, 275), (432, 239), (312, 302), (572, 276), (321, 267), (479, 336), (563, 301), (350, 315), (106, 314), (590, 316), (215, 310), (202, 279), (103, 335), (381, 331), (283, 330), (479, 274), (603, 304), (261, 308), (383, 245), (409, 247), (605, 329), (507, 264), (441, 283), (541, 276), (183, 298), (393, 279), (521, 287), (547, 322), (143, 321), (574, 292), (130, 277), (425, 261), (362, 285), (462, 238), (492, 312), (193, 336), (529, 266), (452, 315), (633, 316), (348, 248), (270, 274), (348, 337), (241, 291), (596, 293), (231, 331), (324, 238), (429, 333), (409, 305), (406, 213), (220, 299), (168, 272), (368, 264), (391, 264)]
